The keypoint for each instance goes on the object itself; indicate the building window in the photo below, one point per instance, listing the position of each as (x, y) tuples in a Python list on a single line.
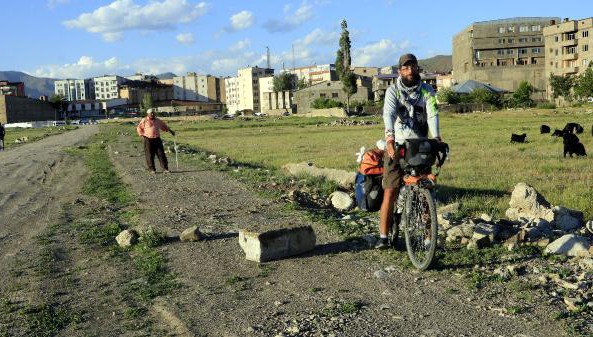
[(322, 95), (585, 62), (511, 29), (536, 28), (501, 41), (570, 36), (523, 39), (556, 38), (523, 29), (522, 51), (585, 33), (334, 95), (510, 51), (501, 30), (536, 39), (500, 52), (510, 40), (586, 47), (571, 50), (535, 50)]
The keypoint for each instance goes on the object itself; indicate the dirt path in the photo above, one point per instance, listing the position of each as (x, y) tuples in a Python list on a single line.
[(331, 291)]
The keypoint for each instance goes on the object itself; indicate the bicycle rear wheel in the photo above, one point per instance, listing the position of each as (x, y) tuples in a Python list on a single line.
[(420, 227)]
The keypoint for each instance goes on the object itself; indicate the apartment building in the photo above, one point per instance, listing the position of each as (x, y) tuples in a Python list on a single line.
[(569, 47), (12, 88), (242, 92), (107, 87), (273, 102), (134, 91), (75, 89), (315, 74), (503, 52), (191, 87)]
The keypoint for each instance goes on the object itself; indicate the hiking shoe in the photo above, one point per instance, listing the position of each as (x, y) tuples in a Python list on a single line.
[(382, 243), (166, 171)]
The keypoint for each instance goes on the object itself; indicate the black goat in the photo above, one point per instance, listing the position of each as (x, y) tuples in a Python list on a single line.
[(518, 138), (557, 133), (573, 145), (544, 129), (573, 128)]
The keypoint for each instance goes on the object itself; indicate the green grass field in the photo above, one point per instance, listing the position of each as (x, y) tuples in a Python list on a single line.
[(481, 173), (33, 134)]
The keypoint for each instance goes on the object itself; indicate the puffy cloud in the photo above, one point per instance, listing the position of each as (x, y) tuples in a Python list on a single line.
[(241, 20), (290, 21), (320, 37), (240, 45), (381, 53), (186, 38), (123, 15), (85, 67)]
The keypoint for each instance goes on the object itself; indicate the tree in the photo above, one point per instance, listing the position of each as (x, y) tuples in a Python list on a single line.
[(561, 86), (343, 60), (522, 96), (447, 95), (583, 84), (302, 84), (284, 82), (482, 95), (59, 103), (146, 103)]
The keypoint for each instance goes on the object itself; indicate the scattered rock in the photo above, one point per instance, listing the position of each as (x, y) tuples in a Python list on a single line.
[(127, 238), (191, 234), (341, 200)]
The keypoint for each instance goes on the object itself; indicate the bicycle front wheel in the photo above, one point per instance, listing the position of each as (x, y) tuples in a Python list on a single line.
[(420, 227)]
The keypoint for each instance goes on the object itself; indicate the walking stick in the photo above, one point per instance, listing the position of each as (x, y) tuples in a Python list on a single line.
[(175, 147)]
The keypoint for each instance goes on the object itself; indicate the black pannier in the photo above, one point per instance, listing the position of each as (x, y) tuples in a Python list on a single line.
[(420, 152)]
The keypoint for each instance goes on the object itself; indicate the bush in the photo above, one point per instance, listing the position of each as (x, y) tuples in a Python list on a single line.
[(448, 96), (326, 103)]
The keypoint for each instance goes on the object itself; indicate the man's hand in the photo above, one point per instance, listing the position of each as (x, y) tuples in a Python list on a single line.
[(391, 150)]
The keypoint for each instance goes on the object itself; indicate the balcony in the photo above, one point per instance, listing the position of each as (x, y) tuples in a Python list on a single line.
[(571, 70), (568, 57), (567, 43)]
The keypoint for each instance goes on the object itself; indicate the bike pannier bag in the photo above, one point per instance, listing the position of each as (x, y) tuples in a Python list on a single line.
[(368, 190), (372, 162), (421, 152)]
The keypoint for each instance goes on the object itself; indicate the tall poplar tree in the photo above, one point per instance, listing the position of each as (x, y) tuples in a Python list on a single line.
[(343, 62)]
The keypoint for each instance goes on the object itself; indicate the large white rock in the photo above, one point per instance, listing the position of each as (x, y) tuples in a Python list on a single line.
[(343, 178), (127, 238), (570, 245), (341, 200), (527, 202), (276, 244)]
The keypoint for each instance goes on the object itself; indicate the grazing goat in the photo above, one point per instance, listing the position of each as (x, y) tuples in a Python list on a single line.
[(573, 145), (573, 128), (544, 129), (557, 133), (518, 138)]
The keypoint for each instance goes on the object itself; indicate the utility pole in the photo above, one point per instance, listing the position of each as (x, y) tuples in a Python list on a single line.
[(268, 57), (293, 57)]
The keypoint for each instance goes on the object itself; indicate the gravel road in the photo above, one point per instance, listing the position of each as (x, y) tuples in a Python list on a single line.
[(339, 289)]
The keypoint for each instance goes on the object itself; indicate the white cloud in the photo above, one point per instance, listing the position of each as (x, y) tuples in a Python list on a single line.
[(186, 38), (240, 45), (85, 67), (241, 20), (290, 21), (124, 15), (320, 37), (381, 53)]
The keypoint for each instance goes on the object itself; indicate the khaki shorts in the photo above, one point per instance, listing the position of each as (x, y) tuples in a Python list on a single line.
[(392, 172)]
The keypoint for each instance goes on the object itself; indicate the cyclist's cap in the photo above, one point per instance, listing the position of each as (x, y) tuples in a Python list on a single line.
[(405, 58), (149, 111)]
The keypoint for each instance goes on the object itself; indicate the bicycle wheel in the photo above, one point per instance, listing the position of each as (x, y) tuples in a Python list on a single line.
[(420, 227)]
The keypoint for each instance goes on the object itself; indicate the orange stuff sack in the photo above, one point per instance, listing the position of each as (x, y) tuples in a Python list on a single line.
[(372, 162)]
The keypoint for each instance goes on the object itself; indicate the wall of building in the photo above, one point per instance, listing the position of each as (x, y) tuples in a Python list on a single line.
[(15, 109), (332, 90)]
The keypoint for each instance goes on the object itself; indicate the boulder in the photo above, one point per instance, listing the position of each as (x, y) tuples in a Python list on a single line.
[(191, 234), (341, 200), (127, 238), (276, 244), (570, 245), (527, 202)]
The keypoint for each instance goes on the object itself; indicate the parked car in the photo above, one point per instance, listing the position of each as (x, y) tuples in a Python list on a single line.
[(84, 121), (59, 123), (260, 114)]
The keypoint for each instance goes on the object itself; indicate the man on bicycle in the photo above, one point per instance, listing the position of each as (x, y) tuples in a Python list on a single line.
[(410, 111)]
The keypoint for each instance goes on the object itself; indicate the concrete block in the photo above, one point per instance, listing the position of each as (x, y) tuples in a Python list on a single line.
[(276, 244)]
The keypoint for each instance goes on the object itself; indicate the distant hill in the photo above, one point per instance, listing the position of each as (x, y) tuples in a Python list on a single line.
[(437, 64), (165, 76), (34, 86)]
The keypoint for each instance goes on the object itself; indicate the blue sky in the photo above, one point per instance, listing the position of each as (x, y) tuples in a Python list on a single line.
[(86, 38)]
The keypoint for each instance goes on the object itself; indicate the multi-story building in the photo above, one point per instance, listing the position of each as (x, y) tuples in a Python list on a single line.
[(304, 98), (314, 74), (242, 92), (75, 90), (272, 102), (569, 47), (191, 87), (502, 52), (134, 91), (12, 88), (107, 87)]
